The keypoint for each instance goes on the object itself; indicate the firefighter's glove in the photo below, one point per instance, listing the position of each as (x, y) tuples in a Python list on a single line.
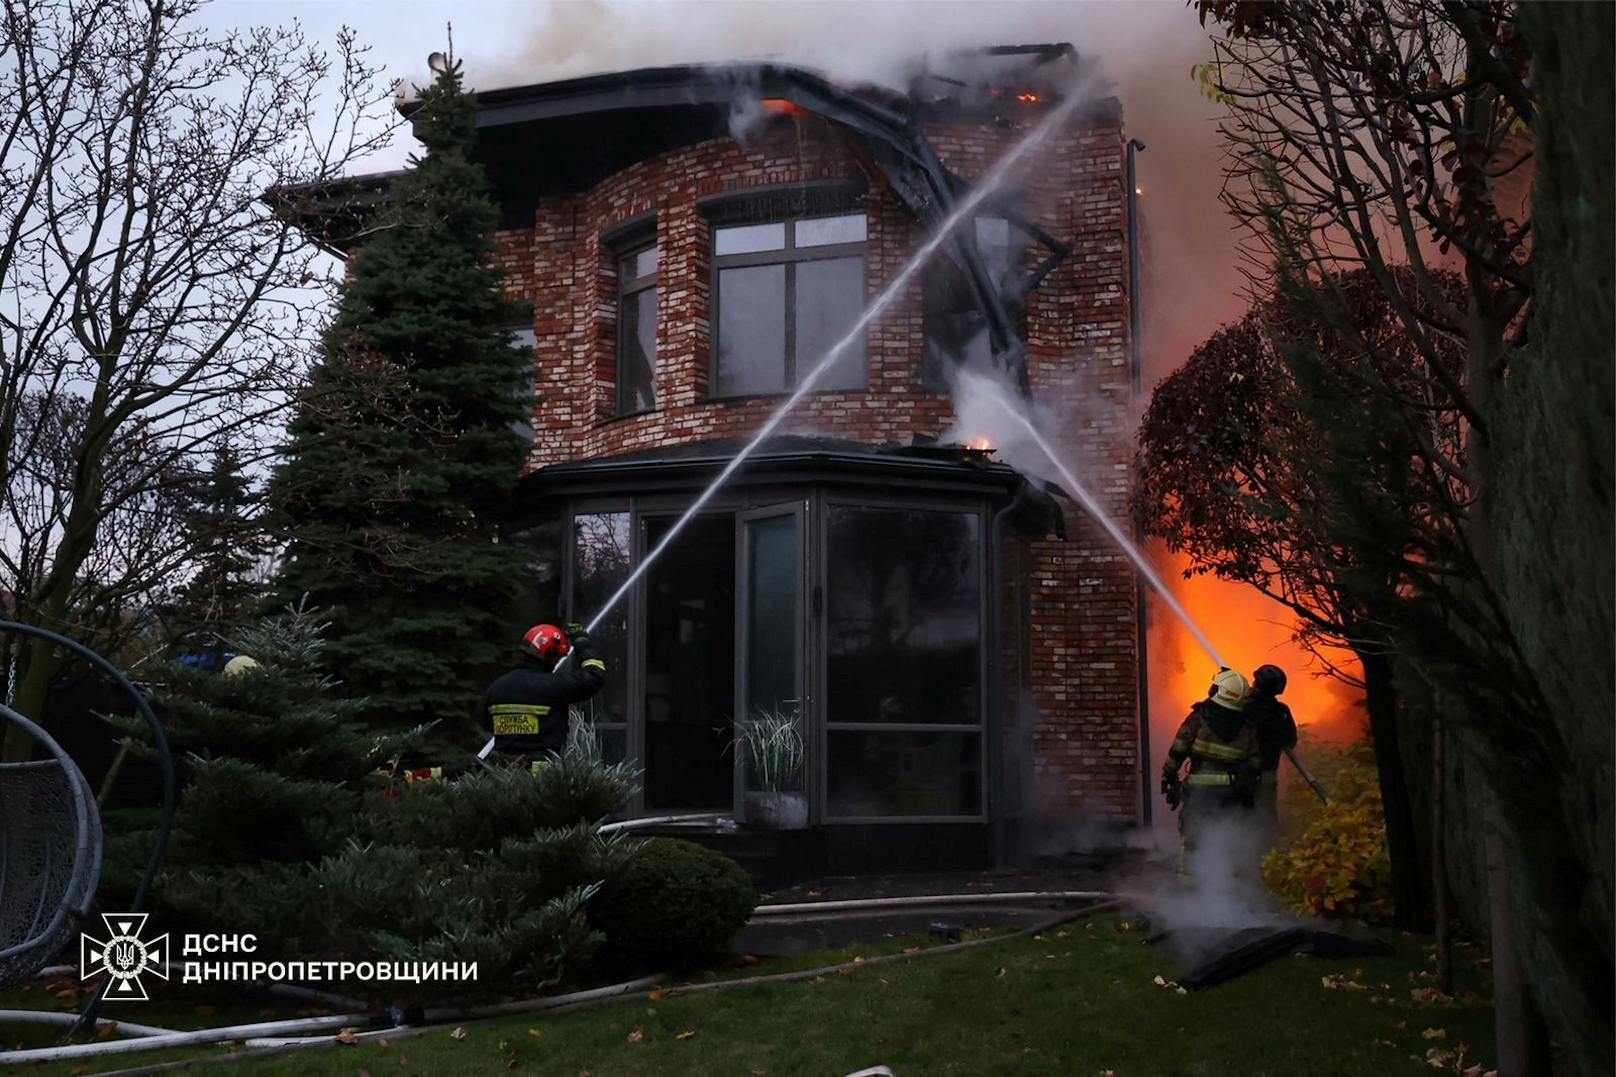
[(578, 634), (1173, 793)]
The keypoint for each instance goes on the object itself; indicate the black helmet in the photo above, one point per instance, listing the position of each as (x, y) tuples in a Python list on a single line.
[(1269, 680)]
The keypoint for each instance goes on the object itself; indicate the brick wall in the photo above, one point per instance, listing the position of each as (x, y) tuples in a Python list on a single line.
[(1082, 601)]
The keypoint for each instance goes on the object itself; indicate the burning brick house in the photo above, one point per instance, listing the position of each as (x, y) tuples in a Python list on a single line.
[(962, 645)]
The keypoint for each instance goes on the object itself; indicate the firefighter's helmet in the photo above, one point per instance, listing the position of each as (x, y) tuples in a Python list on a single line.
[(1229, 689), (547, 642), (1269, 680)]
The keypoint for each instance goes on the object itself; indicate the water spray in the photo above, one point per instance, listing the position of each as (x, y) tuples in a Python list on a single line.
[(1095, 510), (1089, 502)]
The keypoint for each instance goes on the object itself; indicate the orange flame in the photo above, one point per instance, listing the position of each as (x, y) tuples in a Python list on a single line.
[(1249, 629), (982, 445), (1027, 98), (781, 107)]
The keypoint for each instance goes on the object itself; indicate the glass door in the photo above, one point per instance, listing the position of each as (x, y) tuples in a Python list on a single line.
[(688, 683), (769, 578)]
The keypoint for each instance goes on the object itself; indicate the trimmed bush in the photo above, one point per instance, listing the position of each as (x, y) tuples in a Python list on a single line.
[(1337, 864), (676, 904)]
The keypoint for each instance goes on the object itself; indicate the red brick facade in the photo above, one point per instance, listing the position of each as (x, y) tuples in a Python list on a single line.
[(1082, 594)]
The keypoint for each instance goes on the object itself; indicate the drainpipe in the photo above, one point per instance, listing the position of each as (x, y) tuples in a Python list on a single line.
[(1141, 627)]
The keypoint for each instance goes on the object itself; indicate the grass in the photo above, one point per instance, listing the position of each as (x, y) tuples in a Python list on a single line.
[(1080, 1000)]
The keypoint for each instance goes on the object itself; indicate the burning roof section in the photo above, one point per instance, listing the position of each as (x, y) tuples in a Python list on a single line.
[(559, 138)]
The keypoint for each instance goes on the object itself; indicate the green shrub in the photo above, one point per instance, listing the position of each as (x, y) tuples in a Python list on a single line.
[(1337, 864), (674, 905)]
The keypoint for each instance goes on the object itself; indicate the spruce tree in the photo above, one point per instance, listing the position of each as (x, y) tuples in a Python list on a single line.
[(229, 542), (402, 454)]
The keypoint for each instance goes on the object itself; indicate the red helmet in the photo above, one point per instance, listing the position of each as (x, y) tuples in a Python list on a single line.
[(546, 641)]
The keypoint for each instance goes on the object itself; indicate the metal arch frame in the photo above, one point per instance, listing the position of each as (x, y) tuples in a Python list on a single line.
[(900, 150), (165, 761)]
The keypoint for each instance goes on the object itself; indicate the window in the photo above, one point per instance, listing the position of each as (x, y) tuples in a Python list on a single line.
[(786, 293), (523, 336), (956, 331), (636, 330), (903, 643), (600, 564)]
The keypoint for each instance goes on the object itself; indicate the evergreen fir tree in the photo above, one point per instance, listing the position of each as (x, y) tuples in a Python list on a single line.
[(230, 543), (402, 453)]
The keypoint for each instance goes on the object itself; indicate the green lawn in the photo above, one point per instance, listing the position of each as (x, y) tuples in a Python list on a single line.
[(1080, 1000)]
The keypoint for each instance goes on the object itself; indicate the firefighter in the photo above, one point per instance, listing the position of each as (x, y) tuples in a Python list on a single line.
[(1276, 731), (1220, 744), (527, 707)]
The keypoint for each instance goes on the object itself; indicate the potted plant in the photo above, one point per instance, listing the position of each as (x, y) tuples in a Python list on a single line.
[(772, 742)]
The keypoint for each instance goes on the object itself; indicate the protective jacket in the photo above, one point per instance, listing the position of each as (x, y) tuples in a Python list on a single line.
[(1276, 730), (527, 707), (1221, 745)]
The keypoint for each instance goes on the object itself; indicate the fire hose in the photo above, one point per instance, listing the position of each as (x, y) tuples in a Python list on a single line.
[(1307, 776)]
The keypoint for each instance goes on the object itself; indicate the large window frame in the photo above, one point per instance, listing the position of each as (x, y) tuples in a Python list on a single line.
[(789, 256), (828, 501), (627, 253), (810, 503)]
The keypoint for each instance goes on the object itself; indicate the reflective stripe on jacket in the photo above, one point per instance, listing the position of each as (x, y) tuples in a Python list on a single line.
[(1232, 759)]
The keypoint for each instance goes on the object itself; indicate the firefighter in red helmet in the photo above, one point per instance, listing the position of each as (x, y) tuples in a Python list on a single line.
[(527, 706)]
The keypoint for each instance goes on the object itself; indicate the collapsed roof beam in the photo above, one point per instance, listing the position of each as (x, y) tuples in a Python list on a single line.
[(899, 147)]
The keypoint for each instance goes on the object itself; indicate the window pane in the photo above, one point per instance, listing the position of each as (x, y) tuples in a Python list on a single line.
[(993, 240), (525, 337), (823, 231), (903, 616), (749, 238), (771, 607), (830, 298), (904, 773), (600, 565), (641, 263), (636, 375), (690, 666), (751, 330)]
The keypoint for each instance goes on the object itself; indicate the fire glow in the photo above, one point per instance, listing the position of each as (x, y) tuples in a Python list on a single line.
[(1250, 630), (779, 106)]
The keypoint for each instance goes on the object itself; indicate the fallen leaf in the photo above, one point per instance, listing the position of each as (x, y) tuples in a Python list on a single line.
[(636, 1036), (911, 949), (348, 1035), (364, 1073), (1002, 973), (1434, 1034), (655, 996), (751, 959), (77, 1071), (404, 1061), (535, 1032), (1159, 981), (687, 1034), (459, 1033)]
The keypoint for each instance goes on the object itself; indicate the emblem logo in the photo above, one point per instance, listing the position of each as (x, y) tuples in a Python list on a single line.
[(124, 955)]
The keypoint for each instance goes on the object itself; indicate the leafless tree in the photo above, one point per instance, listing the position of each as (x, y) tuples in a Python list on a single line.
[(151, 300)]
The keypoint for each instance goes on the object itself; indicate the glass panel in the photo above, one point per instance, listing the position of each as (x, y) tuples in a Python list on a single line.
[(823, 231), (749, 238), (690, 667), (830, 298), (636, 377), (538, 596), (751, 330), (903, 616), (525, 337), (890, 773), (600, 565), (993, 241), (771, 610), (640, 263)]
